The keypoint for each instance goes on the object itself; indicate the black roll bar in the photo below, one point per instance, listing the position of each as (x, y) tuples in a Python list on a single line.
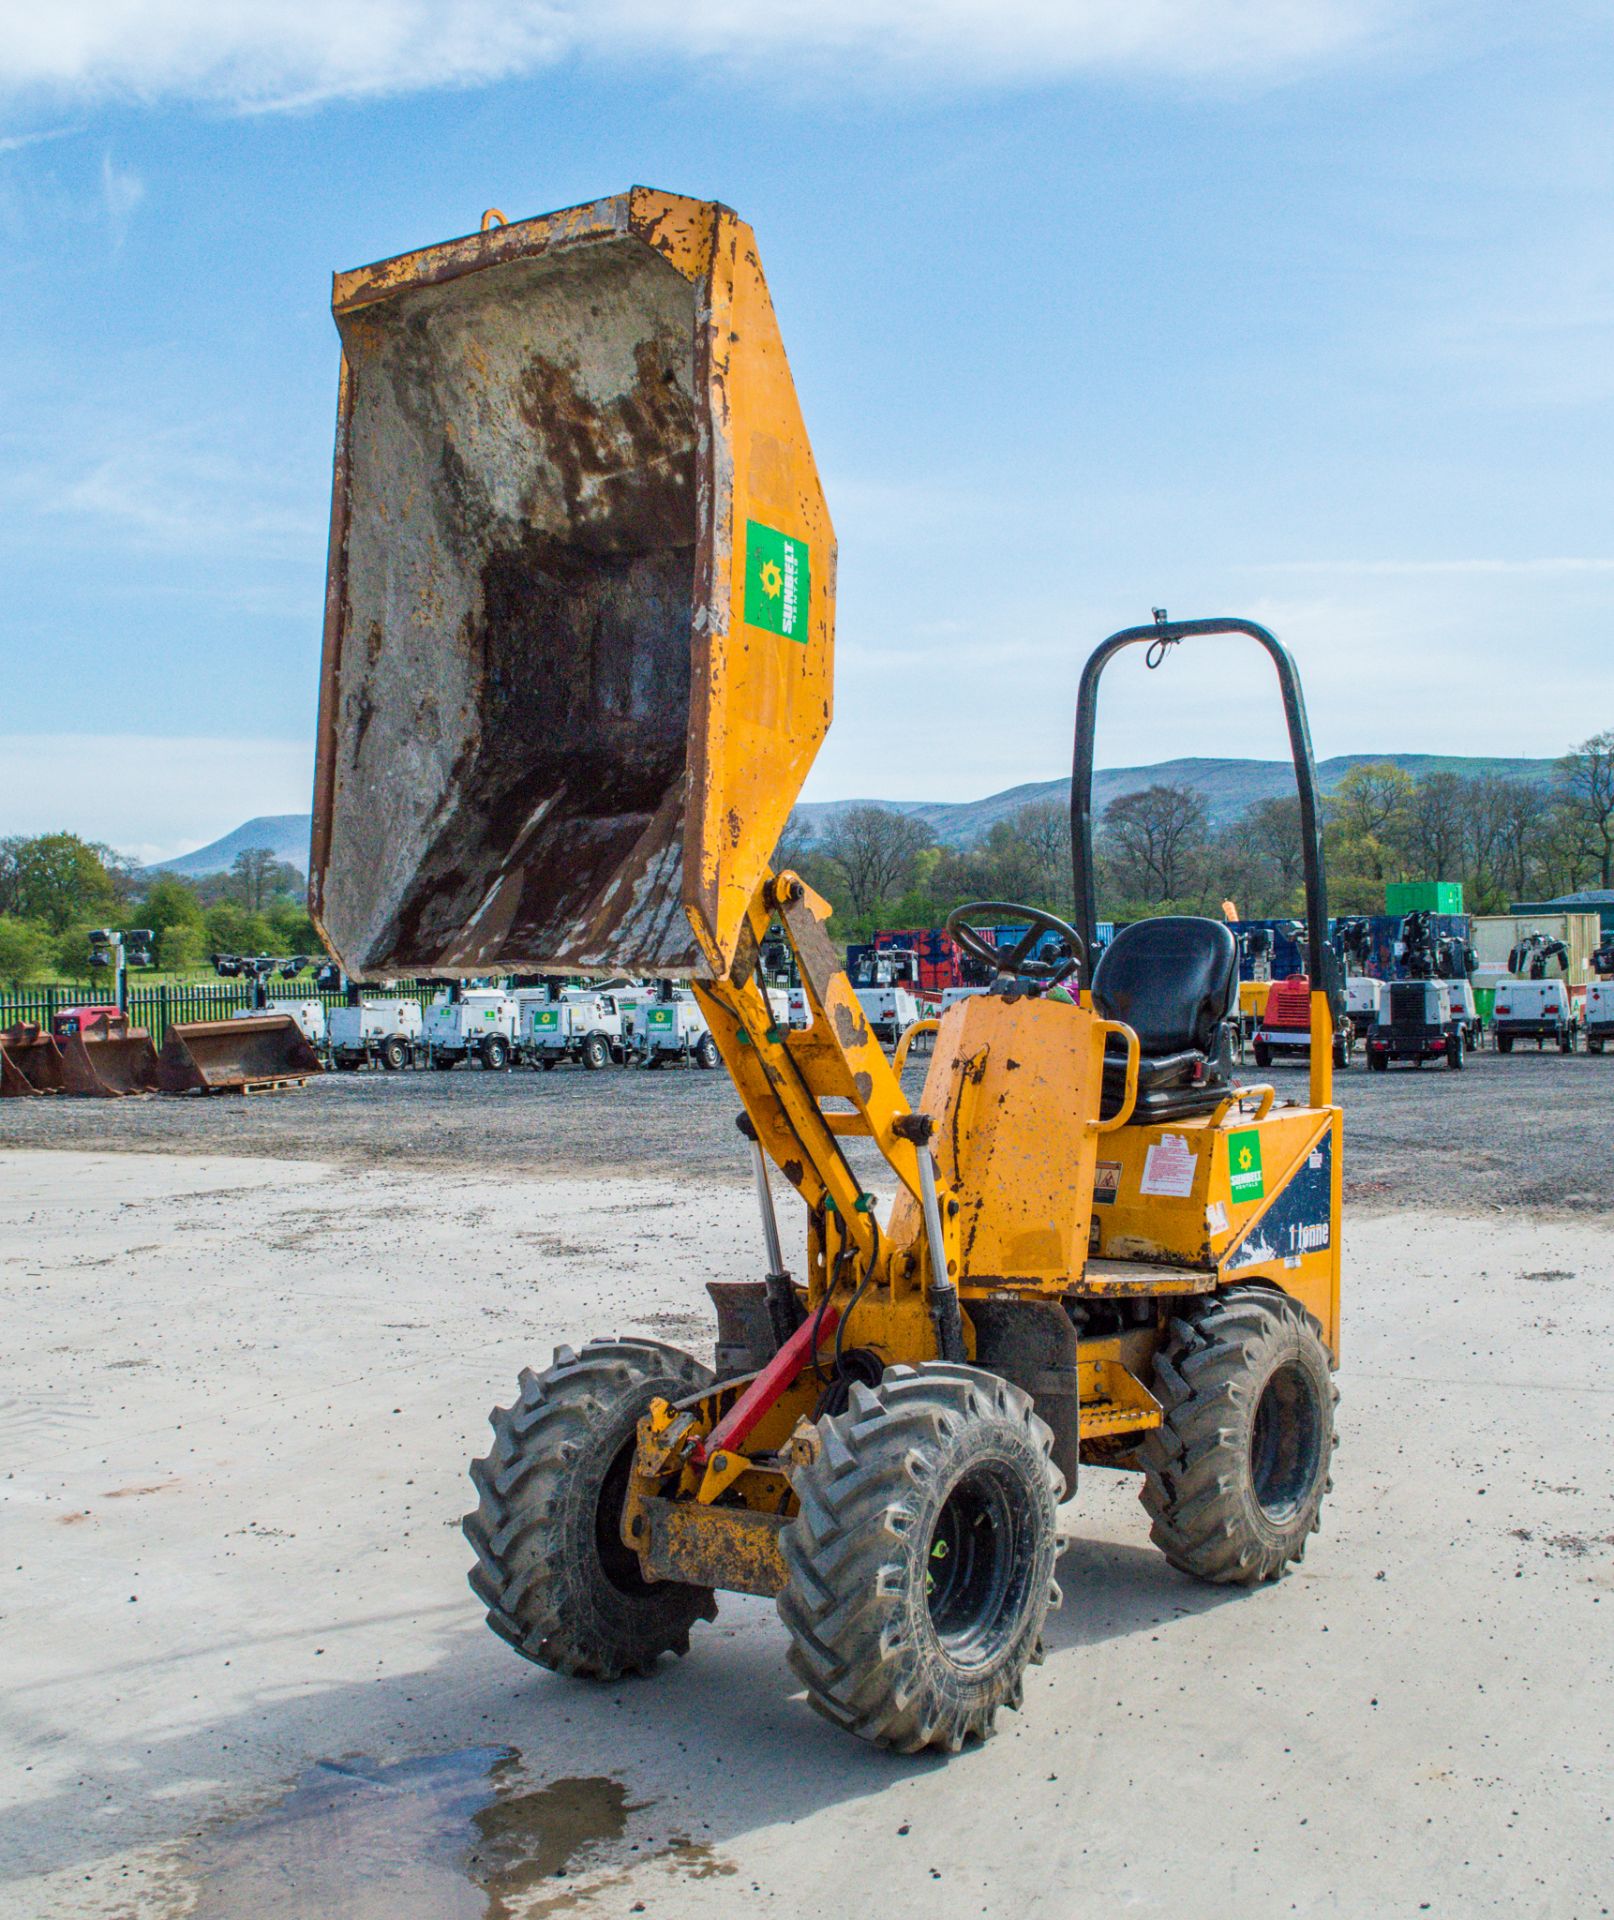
[(1164, 634)]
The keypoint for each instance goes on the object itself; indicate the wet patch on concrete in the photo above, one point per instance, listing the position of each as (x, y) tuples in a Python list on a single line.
[(455, 1836)]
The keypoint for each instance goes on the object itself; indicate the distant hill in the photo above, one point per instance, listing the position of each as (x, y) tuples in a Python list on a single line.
[(284, 834), (1229, 786)]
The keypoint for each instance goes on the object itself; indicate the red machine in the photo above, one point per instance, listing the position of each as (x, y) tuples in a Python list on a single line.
[(1285, 1025), (938, 963)]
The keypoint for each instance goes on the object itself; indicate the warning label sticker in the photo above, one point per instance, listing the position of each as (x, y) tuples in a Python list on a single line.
[(1168, 1168), (1106, 1182)]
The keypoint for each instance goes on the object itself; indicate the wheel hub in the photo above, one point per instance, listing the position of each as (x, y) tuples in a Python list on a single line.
[(975, 1576), (1285, 1439)]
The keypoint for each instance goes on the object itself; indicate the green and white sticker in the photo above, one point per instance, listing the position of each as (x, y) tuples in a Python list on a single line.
[(1244, 1166), (778, 582), (659, 1017), (547, 1017)]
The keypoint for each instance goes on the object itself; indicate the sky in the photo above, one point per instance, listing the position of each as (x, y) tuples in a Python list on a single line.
[(1298, 311)]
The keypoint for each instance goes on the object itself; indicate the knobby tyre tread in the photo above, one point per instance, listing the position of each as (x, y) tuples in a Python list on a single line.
[(556, 1581), (1199, 1486), (858, 1553)]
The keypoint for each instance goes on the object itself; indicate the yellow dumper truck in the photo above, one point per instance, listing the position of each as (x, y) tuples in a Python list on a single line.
[(578, 657)]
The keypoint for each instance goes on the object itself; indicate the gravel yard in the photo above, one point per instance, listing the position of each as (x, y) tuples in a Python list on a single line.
[(1535, 1130)]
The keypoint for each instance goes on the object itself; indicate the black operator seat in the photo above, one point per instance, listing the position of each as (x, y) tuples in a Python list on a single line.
[(1174, 982)]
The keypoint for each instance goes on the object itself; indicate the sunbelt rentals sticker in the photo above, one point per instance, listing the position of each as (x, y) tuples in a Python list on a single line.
[(1244, 1166), (660, 1016), (778, 582)]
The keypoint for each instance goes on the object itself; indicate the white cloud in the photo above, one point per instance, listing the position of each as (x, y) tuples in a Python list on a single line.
[(1412, 568), (149, 796), (122, 190), (17, 142), (171, 488), (243, 53)]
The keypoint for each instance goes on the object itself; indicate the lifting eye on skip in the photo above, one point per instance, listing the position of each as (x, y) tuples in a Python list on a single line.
[(580, 633)]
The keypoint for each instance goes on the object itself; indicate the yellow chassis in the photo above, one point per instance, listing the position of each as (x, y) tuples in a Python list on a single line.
[(1041, 1203)]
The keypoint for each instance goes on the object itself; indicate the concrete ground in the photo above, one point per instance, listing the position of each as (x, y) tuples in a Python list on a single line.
[(244, 1678)]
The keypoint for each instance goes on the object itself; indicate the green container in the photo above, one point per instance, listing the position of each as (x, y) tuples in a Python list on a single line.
[(1484, 1003), (1424, 896)]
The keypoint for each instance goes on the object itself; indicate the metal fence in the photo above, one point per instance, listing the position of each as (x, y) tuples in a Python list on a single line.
[(157, 1008)]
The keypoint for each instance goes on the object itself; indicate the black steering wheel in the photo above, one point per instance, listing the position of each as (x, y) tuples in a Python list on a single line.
[(1016, 962)]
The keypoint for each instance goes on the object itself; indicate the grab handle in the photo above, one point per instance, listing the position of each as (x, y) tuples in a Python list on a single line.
[(1129, 1094)]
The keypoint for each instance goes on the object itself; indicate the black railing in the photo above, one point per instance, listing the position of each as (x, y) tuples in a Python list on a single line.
[(157, 1008)]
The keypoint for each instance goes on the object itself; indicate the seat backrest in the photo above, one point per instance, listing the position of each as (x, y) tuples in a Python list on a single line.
[(1172, 980)]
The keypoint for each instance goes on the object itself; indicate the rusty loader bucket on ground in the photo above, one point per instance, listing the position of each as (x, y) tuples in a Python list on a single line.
[(226, 1056), (109, 1058), (30, 1062), (579, 627)]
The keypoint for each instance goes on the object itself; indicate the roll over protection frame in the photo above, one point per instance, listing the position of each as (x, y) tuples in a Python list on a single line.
[(1159, 636)]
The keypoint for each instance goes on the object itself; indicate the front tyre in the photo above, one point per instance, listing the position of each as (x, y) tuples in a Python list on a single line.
[(551, 1566), (1234, 1478), (706, 1052), (921, 1559)]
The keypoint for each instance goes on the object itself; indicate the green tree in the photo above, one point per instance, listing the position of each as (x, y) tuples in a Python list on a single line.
[(70, 954), (170, 902), (1367, 816), (57, 879), (1155, 842), (291, 929), (24, 951), (252, 875), (181, 946), (1586, 776), (232, 929), (877, 852)]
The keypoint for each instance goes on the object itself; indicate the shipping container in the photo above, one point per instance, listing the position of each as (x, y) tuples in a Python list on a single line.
[(1423, 896)]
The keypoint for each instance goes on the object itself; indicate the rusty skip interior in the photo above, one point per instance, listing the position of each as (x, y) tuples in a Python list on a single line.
[(513, 679)]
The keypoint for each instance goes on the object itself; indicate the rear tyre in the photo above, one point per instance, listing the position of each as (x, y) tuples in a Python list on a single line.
[(706, 1052), (921, 1560), (1454, 1053), (1504, 1043), (1566, 1041), (1235, 1477), (1263, 1054), (1379, 1062), (444, 1062), (1594, 1046), (495, 1055), (551, 1567), (394, 1052), (348, 1063), (596, 1052)]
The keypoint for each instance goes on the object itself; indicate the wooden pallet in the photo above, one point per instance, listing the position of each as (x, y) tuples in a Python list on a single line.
[(252, 1087)]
